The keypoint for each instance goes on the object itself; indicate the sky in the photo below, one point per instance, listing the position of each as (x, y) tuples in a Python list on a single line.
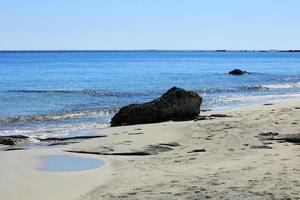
[(149, 24)]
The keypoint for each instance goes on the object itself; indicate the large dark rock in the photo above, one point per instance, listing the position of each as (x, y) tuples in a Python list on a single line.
[(238, 72), (176, 104)]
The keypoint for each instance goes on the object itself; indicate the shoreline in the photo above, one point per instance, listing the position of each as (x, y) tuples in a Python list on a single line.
[(220, 157), (153, 50)]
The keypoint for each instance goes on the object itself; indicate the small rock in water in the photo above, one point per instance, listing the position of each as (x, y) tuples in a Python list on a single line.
[(238, 72)]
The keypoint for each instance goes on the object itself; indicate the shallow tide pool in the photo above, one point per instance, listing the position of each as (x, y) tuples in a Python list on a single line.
[(65, 163)]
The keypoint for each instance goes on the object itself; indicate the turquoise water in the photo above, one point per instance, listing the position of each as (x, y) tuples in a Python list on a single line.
[(64, 163), (75, 93)]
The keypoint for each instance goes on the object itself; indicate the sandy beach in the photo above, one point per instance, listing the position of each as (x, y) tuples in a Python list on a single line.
[(230, 156)]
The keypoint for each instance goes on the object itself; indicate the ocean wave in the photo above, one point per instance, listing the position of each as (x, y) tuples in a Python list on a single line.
[(234, 89), (250, 88), (67, 91), (100, 92), (282, 85), (233, 100), (57, 116), (56, 130), (91, 92)]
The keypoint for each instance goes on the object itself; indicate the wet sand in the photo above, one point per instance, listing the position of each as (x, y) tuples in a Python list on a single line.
[(231, 156)]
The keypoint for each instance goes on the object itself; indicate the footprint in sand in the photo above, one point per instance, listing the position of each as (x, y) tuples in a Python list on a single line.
[(232, 142)]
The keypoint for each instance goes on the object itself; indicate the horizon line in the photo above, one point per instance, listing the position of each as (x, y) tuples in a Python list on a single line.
[(152, 50)]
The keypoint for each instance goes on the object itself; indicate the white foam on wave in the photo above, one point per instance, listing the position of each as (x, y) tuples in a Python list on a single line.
[(58, 116), (248, 99), (247, 88), (282, 85), (44, 126), (55, 130)]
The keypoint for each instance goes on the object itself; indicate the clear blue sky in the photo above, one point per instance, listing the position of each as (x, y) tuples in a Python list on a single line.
[(149, 24)]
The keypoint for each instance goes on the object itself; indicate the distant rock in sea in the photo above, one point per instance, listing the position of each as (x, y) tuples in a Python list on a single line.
[(176, 104), (238, 72)]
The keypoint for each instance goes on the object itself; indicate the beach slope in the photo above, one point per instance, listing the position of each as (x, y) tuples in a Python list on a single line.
[(235, 154)]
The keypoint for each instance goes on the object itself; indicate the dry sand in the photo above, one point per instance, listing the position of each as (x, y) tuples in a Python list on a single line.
[(236, 164)]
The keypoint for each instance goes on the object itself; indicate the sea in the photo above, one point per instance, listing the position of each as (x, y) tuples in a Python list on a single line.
[(74, 93)]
